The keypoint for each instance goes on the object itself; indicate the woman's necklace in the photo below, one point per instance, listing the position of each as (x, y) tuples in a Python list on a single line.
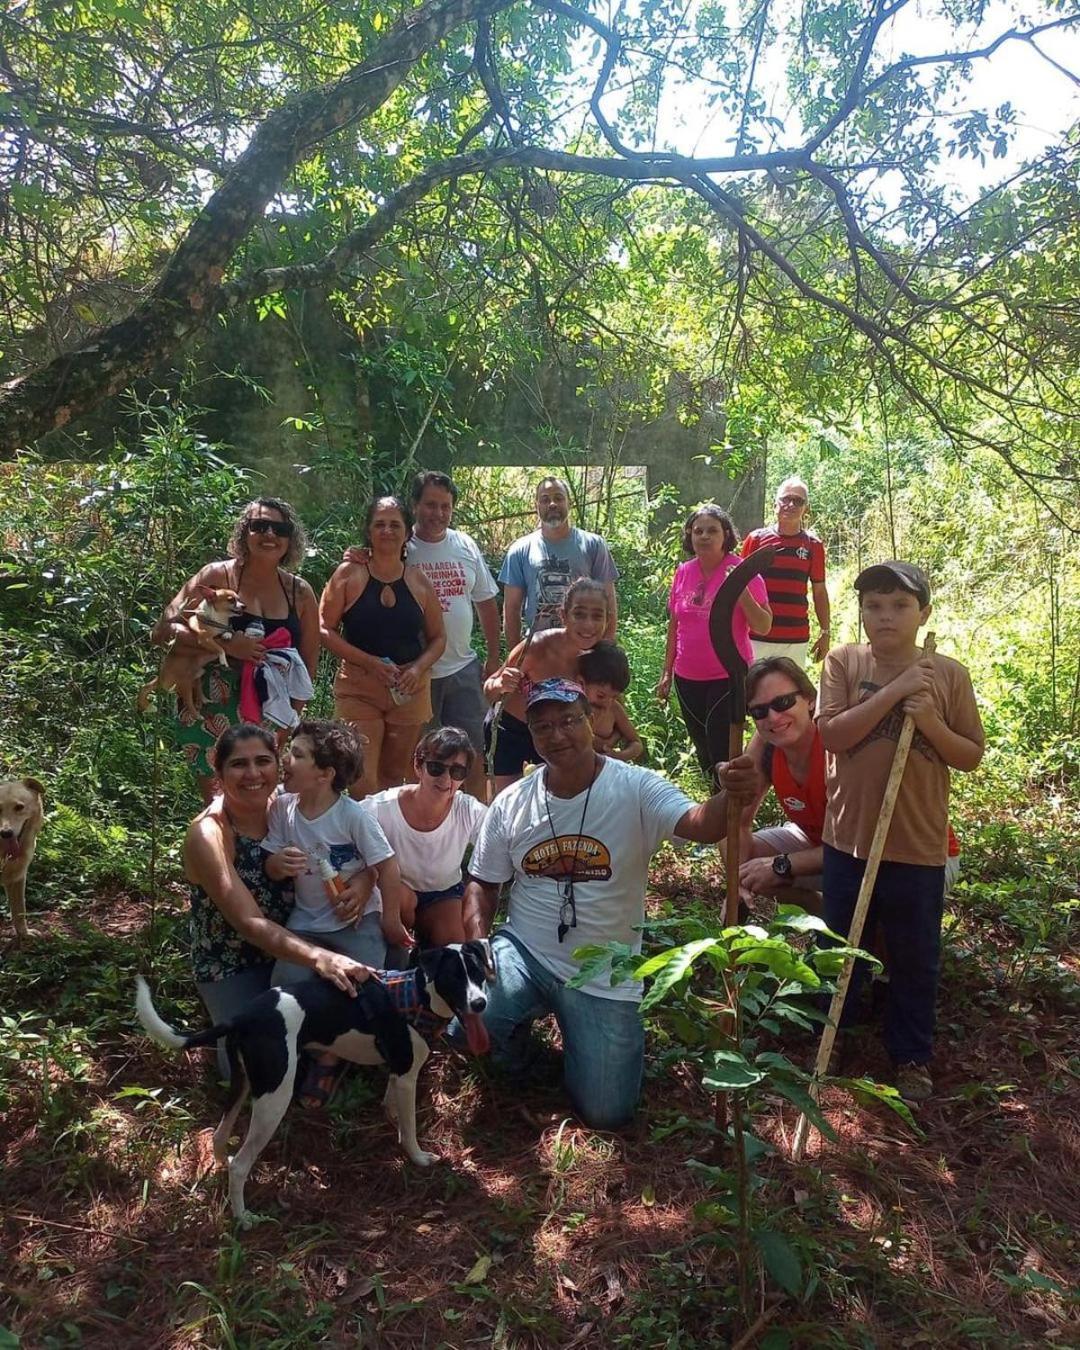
[(568, 911)]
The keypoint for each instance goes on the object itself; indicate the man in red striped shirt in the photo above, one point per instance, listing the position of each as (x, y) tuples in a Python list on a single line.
[(800, 560)]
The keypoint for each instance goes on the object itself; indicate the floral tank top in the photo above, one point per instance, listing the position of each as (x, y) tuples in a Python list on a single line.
[(217, 949)]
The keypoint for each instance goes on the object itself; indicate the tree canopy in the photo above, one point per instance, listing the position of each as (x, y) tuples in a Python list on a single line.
[(503, 173)]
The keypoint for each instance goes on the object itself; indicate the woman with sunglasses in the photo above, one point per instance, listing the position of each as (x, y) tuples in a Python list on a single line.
[(787, 752), (788, 756), (266, 540), (709, 541), (429, 824)]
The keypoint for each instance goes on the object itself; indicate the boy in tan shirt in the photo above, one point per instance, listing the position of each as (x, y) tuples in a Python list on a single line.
[(866, 689)]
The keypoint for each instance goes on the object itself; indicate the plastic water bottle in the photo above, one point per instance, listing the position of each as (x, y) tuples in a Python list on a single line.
[(330, 877), (395, 693)]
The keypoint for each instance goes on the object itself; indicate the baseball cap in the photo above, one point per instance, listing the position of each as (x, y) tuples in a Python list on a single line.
[(888, 575), (554, 691)]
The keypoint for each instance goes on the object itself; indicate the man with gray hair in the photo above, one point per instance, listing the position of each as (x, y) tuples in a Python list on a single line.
[(800, 559), (539, 568)]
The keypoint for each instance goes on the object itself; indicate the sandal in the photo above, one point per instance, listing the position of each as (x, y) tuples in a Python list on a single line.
[(317, 1083)]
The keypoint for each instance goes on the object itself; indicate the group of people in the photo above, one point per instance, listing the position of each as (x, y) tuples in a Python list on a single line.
[(362, 851)]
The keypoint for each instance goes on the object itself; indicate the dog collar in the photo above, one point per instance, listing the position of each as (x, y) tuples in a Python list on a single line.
[(403, 986), (212, 623)]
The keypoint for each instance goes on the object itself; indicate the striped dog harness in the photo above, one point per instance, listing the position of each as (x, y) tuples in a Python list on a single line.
[(405, 992)]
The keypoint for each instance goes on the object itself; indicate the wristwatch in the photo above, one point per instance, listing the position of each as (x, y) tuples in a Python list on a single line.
[(781, 865)]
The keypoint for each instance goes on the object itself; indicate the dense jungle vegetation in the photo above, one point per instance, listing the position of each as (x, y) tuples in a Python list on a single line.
[(757, 220)]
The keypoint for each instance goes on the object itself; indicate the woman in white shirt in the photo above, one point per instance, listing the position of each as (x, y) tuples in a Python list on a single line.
[(429, 825)]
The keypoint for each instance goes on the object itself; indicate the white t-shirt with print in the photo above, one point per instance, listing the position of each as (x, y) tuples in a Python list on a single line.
[(430, 860), (346, 834), (460, 576), (630, 813)]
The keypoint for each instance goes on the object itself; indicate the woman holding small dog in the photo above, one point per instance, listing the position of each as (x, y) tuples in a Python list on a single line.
[(429, 824), (383, 619), (238, 913), (267, 539)]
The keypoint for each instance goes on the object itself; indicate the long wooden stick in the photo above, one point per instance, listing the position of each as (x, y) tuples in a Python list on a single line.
[(858, 918), (735, 807)]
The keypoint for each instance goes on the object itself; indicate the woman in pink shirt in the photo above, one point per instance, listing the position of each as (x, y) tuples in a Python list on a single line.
[(710, 542)]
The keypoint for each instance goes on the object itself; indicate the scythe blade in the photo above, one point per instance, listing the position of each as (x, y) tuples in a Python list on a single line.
[(720, 617)]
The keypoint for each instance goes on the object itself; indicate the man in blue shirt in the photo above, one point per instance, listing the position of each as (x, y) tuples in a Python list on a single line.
[(540, 568)]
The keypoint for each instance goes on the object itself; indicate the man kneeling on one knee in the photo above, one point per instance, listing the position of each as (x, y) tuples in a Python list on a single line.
[(575, 840)]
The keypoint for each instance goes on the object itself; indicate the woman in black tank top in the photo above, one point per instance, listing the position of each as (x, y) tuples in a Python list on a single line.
[(384, 621), (266, 540)]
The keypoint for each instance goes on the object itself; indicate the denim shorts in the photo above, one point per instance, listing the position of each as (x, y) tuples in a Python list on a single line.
[(426, 898)]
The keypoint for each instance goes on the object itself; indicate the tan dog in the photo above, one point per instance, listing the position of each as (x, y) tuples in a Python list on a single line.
[(22, 814), (182, 667)]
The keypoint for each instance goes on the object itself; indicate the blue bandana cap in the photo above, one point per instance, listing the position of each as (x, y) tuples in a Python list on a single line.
[(554, 691)]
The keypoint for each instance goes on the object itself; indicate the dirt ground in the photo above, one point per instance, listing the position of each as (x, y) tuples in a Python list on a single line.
[(531, 1231)]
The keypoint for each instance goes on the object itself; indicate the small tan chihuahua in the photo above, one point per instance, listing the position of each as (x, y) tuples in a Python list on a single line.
[(182, 667)]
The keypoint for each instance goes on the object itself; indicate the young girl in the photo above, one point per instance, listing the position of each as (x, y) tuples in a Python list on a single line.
[(605, 676), (543, 656)]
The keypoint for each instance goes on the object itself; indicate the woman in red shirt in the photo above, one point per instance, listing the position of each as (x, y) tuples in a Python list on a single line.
[(787, 752)]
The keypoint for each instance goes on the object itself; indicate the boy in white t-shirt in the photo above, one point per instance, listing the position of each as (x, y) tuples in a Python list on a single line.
[(312, 822)]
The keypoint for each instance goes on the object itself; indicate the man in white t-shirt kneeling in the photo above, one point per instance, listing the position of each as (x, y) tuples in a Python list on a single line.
[(575, 840)]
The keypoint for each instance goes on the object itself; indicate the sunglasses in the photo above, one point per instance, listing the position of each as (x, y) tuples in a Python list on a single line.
[(791, 501), (781, 703), (260, 525), (435, 767), (568, 909), (563, 724)]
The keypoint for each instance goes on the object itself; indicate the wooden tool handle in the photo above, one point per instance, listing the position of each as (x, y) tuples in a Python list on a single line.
[(862, 905), (732, 840)]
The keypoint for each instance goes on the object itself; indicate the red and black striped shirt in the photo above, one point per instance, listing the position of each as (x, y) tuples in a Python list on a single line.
[(800, 558)]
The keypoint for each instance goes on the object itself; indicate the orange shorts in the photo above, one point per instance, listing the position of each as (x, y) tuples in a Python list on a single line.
[(360, 697)]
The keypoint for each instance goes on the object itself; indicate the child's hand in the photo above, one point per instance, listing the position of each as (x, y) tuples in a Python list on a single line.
[(508, 681), (921, 708), (349, 905), (395, 932), (289, 862), (915, 680)]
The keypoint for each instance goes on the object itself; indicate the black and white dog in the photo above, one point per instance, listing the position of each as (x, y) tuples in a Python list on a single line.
[(392, 1020)]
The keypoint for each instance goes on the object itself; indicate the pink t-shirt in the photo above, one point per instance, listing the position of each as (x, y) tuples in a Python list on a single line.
[(690, 601)]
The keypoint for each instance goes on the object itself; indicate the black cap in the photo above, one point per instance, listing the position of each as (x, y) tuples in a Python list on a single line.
[(888, 575)]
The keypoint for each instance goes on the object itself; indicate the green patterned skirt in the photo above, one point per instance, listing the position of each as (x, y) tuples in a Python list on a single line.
[(197, 736)]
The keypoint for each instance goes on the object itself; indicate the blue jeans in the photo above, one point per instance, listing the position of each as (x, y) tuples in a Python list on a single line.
[(603, 1038), (362, 941), (908, 900)]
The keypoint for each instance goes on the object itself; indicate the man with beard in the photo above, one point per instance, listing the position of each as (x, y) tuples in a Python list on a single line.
[(540, 568)]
